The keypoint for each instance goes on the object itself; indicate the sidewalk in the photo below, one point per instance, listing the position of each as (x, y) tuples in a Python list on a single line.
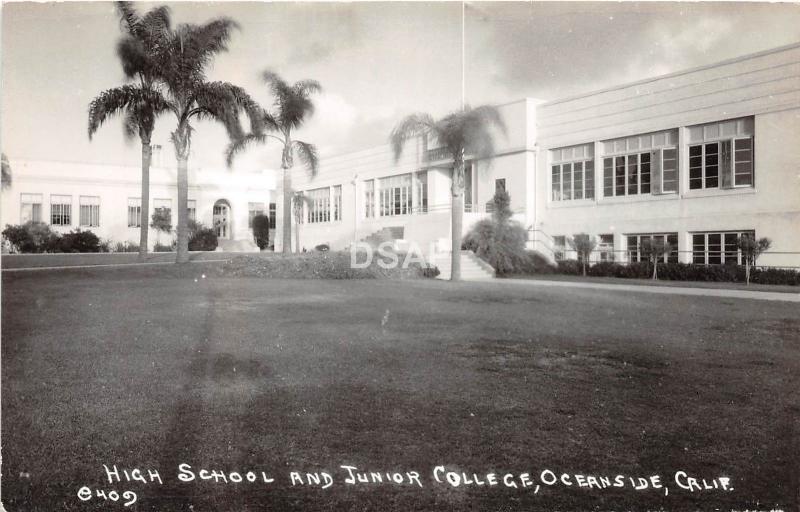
[(666, 290)]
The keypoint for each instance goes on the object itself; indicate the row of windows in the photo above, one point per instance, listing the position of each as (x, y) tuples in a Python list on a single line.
[(721, 155), (708, 248), (89, 210), (324, 204), (394, 195)]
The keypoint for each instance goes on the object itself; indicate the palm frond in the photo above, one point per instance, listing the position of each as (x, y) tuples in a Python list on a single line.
[(109, 103), (223, 102), (241, 145), (6, 172), (131, 125), (409, 127), (306, 87), (308, 155), (129, 17)]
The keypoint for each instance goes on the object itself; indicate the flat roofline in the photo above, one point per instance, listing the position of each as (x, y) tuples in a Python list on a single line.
[(674, 74)]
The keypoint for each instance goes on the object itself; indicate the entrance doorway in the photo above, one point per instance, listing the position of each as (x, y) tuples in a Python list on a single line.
[(222, 216)]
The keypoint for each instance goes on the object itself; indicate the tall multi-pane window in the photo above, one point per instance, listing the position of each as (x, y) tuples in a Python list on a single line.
[(89, 213), (572, 173), (191, 209), (134, 212), (369, 199), (637, 246), (422, 192), (254, 209), (721, 154), (30, 208), (337, 202), (319, 205), (273, 212), (605, 247), (641, 164), (60, 210), (718, 248), (395, 195)]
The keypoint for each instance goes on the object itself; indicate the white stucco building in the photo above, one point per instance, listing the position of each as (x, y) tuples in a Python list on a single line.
[(106, 199), (696, 157)]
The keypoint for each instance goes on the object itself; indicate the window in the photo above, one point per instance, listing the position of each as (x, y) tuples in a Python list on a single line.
[(164, 205), (30, 208), (559, 247), (319, 205), (718, 248), (395, 195), (337, 202), (422, 192), (60, 210), (369, 199), (89, 211), (500, 184), (637, 249), (273, 212), (191, 209), (605, 247), (641, 164), (721, 154), (134, 212), (572, 173), (254, 209)]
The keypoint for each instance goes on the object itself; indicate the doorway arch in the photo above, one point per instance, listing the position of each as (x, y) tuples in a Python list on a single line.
[(222, 219)]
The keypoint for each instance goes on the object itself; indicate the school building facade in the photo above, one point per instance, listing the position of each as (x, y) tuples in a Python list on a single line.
[(695, 158), (106, 200)]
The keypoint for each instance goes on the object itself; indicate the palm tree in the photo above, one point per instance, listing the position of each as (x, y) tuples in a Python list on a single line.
[(463, 133), (183, 57), (140, 102), (6, 173), (292, 107), (299, 201)]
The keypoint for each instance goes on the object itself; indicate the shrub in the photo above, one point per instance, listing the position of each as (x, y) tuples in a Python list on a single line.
[(261, 231), (685, 272), (159, 247), (79, 241), (125, 247), (201, 238), (322, 248), (32, 237), (499, 241)]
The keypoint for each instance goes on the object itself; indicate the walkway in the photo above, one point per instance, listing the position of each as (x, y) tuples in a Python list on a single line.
[(667, 290)]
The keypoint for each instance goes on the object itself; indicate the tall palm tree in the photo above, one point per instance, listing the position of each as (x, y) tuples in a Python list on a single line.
[(466, 132), (6, 173), (183, 57), (140, 102), (293, 105)]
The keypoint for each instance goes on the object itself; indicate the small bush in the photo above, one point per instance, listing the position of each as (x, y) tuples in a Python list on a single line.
[(32, 237), (261, 231), (201, 238), (322, 248), (499, 241), (125, 247), (79, 241), (159, 247)]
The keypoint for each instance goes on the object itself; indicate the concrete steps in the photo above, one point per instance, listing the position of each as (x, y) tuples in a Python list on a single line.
[(472, 267), (224, 245), (388, 234)]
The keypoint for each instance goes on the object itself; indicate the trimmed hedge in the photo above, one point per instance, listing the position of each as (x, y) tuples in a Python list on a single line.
[(37, 237), (683, 272)]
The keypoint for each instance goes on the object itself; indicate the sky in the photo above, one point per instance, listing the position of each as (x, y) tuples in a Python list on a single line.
[(376, 62)]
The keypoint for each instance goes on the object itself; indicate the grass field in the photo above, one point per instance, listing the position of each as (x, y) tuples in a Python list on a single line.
[(152, 367)]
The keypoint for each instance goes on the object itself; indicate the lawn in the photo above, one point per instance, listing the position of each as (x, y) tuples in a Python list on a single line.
[(153, 367)]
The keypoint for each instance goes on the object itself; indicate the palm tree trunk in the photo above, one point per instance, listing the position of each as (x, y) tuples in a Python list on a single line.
[(147, 152), (183, 203), (287, 210), (747, 271), (297, 237), (457, 217)]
